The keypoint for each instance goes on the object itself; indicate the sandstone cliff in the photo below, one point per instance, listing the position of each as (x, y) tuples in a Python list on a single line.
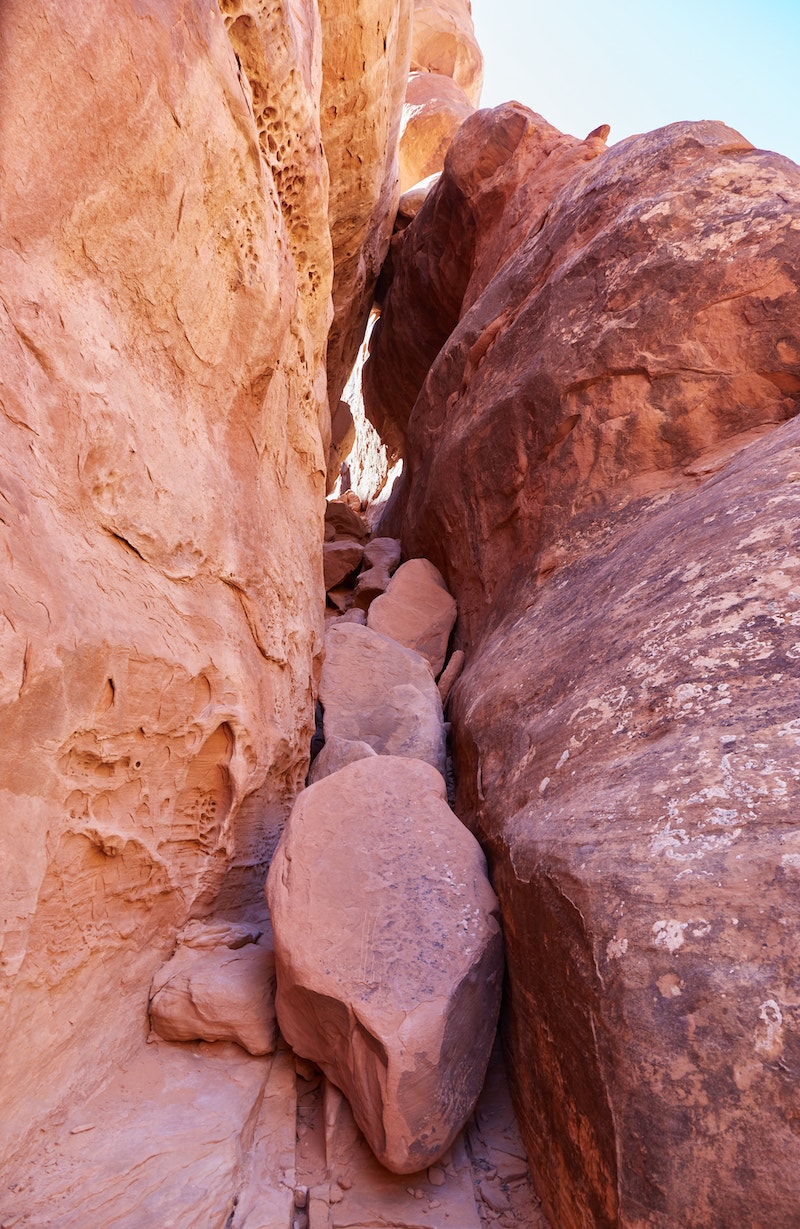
[(589, 358), (169, 246)]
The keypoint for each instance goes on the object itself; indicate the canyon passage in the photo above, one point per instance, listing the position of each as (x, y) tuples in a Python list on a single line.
[(400, 512)]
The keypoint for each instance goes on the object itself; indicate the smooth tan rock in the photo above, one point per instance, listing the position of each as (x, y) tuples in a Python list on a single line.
[(374, 690), (172, 1135), (217, 994), (339, 559), (444, 42), (338, 753), (388, 951), (434, 109), (417, 611)]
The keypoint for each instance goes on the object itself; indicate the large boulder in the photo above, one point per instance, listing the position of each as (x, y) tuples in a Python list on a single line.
[(598, 459), (635, 317), (374, 690), (417, 611), (501, 173), (388, 952), (627, 747)]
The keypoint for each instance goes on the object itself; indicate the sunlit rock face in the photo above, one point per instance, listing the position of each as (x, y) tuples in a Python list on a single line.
[(590, 360), (444, 86), (166, 264), (366, 55)]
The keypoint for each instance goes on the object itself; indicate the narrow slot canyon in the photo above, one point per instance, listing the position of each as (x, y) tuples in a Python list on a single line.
[(400, 507)]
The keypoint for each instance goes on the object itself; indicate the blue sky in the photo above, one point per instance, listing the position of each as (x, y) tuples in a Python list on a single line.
[(636, 66)]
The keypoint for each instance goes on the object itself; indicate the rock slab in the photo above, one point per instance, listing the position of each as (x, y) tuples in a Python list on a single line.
[(388, 953)]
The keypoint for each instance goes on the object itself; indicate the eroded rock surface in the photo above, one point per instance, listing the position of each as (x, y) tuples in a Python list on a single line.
[(366, 48), (165, 275), (443, 42), (388, 952)]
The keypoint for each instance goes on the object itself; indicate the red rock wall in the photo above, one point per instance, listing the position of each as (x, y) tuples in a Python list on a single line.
[(590, 360), (165, 296)]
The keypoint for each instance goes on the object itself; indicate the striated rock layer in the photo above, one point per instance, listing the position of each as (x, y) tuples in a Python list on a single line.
[(165, 297), (590, 360)]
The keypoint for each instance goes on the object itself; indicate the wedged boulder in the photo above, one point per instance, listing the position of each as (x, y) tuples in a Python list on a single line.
[(345, 521), (380, 692), (388, 953), (343, 436), (217, 987), (339, 559), (416, 610), (449, 676), (434, 110), (338, 753)]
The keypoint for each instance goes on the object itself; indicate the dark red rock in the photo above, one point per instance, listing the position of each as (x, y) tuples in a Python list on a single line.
[(500, 174), (598, 459), (647, 323), (627, 745)]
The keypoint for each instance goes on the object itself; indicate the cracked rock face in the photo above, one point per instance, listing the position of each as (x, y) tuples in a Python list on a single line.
[(388, 952)]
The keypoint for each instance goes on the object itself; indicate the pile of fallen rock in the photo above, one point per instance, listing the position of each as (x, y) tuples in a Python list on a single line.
[(387, 941), (387, 945)]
